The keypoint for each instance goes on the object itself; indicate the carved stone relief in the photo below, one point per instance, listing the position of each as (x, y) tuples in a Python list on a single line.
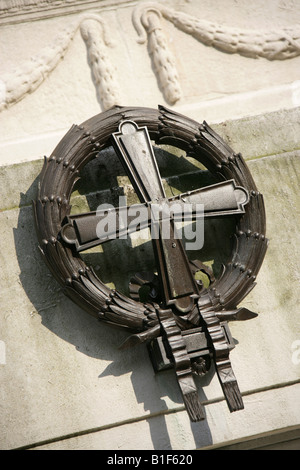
[(272, 45), (16, 85), (148, 20), (104, 73)]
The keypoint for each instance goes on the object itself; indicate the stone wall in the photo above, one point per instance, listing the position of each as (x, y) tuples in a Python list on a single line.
[(64, 382)]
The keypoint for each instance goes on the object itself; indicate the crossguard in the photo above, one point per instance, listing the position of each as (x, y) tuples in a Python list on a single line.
[(218, 200)]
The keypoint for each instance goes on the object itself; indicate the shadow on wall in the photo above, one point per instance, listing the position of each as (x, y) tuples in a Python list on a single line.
[(69, 322)]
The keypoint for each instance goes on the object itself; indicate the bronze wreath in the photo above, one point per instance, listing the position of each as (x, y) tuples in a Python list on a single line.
[(61, 171)]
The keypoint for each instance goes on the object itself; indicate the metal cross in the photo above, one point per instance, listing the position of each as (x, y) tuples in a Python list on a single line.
[(179, 288)]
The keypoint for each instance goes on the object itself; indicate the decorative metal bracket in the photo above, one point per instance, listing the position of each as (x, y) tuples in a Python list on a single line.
[(183, 323)]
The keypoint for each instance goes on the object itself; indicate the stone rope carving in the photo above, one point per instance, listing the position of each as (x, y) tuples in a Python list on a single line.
[(272, 45), (104, 73), (147, 20), (162, 58), (31, 74)]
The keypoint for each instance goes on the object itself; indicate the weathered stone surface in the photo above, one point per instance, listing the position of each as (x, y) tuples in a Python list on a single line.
[(161, 432), (63, 382), (62, 363)]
